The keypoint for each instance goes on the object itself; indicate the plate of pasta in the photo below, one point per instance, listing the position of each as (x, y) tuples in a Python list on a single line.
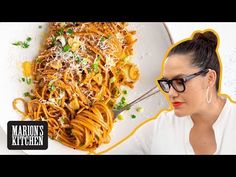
[(73, 74)]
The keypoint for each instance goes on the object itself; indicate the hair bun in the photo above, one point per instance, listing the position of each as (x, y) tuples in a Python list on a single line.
[(208, 37)]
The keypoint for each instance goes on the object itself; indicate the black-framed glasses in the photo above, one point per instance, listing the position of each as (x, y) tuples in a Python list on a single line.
[(179, 83)]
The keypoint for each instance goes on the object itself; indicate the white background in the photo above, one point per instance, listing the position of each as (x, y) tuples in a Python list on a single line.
[(179, 31), (227, 48)]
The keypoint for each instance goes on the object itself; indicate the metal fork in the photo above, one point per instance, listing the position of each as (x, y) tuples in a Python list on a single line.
[(149, 93)]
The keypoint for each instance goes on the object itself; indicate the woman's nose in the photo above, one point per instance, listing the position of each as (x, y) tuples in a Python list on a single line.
[(172, 92)]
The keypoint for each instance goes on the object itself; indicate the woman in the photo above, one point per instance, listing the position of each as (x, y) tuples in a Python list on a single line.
[(201, 121)]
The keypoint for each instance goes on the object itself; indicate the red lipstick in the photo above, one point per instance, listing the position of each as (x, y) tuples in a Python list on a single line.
[(176, 104)]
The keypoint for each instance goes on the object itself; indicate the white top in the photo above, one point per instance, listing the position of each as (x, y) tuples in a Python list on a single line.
[(169, 134)]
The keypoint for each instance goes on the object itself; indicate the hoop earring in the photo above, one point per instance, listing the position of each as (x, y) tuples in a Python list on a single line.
[(207, 96)]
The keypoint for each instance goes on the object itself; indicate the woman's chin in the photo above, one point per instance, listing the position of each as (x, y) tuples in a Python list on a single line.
[(180, 113)]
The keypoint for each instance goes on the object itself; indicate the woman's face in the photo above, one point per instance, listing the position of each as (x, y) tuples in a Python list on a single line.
[(194, 97)]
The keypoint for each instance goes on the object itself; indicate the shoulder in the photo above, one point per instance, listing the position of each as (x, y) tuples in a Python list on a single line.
[(163, 128), (229, 108), (232, 104), (162, 119), (168, 118)]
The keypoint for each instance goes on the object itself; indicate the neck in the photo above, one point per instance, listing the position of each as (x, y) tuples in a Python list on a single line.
[(210, 113)]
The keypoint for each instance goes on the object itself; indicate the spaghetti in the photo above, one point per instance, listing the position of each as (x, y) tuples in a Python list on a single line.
[(77, 81)]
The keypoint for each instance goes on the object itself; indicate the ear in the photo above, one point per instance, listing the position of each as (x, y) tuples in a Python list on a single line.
[(211, 78)]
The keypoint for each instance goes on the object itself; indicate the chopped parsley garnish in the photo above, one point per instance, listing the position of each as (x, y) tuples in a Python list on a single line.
[(95, 67), (121, 104), (52, 88), (133, 116), (28, 39), (113, 79), (84, 62), (28, 80), (125, 92), (60, 32), (70, 31), (17, 43), (78, 59), (120, 117), (102, 39), (59, 101), (95, 64), (123, 100), (50, 83), (26, 94), (128, 108), (23, 44), (54, 39), (66, 48), (62, 119), (23, 79), (61, 93)]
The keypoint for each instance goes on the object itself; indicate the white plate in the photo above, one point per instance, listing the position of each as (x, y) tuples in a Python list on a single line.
[(153, 41)]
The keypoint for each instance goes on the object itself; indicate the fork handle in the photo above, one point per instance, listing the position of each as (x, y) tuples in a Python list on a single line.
[(142, 97)]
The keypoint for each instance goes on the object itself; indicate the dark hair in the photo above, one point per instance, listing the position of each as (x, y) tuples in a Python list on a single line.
[(202, 48)]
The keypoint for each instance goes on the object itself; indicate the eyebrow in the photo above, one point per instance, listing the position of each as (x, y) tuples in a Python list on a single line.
[(175, 77)]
